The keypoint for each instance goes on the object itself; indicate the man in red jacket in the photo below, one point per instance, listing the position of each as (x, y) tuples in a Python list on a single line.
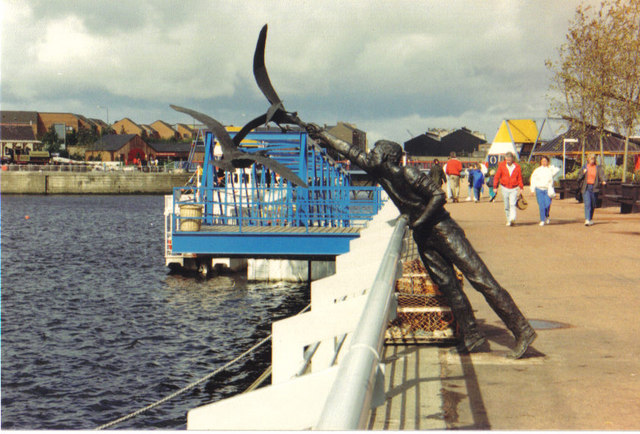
[(454, 167), (509, 176)]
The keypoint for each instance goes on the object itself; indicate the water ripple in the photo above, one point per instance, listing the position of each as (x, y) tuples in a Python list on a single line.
[(94, 327)]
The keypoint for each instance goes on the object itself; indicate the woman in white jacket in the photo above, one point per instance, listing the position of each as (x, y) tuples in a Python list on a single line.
[(541, 184)]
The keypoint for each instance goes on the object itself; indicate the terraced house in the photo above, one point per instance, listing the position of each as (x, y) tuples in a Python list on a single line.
[(165, 131)]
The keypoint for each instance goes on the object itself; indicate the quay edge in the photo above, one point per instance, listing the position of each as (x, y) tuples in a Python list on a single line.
[(90, 182)]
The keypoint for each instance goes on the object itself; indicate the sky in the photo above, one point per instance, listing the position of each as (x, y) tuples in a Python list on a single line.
[(393, 68)]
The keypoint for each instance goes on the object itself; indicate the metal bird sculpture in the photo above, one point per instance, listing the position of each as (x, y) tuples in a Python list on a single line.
[(234, 158), (276, 112)]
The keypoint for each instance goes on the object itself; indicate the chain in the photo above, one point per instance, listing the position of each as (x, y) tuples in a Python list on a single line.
[(189, 386)]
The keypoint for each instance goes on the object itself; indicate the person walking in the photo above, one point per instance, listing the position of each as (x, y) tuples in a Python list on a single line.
[(436, 173), (444, 169), (492, 194), (468, 173), (509, 177), (591, 178), (478, 183), (454, 168), (541, 184)]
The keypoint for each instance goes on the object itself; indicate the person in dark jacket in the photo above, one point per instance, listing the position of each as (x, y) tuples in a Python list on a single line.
[(436, 173), (441, 242), (591, 178)]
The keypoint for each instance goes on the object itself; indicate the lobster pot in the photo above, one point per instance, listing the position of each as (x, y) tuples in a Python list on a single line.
[(423, 314), (193, 220)]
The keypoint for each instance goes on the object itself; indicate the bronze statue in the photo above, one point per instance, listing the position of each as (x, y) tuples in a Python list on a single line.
[(440, 240)]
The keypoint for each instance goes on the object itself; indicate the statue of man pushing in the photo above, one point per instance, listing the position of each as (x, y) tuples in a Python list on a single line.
[(440, 240)]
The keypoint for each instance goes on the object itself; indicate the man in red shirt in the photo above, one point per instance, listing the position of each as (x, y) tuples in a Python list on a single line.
[(509, 176), (454, 167)]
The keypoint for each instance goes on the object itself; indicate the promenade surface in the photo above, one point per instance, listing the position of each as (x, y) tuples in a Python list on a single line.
[(580, 287)]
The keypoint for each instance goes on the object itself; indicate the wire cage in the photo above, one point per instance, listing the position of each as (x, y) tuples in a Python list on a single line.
[(423, 315)]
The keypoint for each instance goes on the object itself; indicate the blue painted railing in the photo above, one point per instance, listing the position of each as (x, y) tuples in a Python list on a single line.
[(279, 205)]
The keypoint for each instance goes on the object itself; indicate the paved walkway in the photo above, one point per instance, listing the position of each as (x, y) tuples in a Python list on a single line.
[(580, 287)]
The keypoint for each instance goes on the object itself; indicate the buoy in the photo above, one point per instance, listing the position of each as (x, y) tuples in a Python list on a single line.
[(27, 217)]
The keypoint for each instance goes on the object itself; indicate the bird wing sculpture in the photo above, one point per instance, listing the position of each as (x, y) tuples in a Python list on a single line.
[(232, 156), (276, 112)]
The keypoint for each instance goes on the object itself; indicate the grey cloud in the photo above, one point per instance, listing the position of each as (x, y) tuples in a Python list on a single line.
[(374, 62)]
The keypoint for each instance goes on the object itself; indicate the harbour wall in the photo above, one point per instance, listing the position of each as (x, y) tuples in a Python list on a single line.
[(90, 182)]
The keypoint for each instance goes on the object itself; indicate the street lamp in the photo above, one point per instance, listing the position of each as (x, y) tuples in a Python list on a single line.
[(564, 153)]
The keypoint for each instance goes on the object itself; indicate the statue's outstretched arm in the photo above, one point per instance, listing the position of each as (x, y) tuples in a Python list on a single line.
[(354, 154)]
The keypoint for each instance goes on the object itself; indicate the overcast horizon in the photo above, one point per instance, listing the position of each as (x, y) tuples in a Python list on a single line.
[(393, 68)]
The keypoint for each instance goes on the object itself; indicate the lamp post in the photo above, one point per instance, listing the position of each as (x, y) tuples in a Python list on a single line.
[(107, 108), (564, 154)]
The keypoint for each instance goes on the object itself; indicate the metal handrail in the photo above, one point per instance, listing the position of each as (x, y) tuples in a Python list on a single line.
[(322, 206), (349, 401)]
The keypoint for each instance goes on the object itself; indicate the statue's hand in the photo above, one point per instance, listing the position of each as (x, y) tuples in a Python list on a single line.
[(313, 130)]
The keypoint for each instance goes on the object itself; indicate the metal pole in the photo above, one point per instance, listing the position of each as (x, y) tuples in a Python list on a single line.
[(349, 402), (564, 153)]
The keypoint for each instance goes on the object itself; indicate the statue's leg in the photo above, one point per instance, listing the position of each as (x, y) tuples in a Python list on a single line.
[(452, 244), (442, 273)]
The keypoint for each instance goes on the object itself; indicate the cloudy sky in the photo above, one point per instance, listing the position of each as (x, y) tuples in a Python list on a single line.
[(394, 68)]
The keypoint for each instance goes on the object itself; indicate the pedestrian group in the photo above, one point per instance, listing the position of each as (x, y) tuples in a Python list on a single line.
[(508, 178)]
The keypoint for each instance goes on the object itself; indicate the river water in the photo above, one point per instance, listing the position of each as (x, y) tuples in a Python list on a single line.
[(94, 326)]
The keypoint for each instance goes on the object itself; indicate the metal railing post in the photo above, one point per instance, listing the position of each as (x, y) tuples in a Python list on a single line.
[(349, 401)]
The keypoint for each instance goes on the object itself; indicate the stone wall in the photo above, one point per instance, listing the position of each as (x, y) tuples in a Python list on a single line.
[(90, 182)]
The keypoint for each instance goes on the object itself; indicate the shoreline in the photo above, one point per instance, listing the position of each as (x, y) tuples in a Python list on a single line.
[(99, 183)]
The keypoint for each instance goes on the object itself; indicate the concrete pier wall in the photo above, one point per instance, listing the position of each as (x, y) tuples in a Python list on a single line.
[(90, 182), (293, 401), (289, 270)]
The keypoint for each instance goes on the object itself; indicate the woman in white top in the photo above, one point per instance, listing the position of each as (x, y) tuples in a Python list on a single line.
[(541, 184)]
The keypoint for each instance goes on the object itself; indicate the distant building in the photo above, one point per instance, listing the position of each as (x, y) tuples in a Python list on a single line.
[(185, 131), (13, 117), (165, 131), (348, 133), (119, 147), (17, 140), (127, 126), (150, 132), (100, 125), (438, 143), (63, 123), (612, 144), (177, 151)]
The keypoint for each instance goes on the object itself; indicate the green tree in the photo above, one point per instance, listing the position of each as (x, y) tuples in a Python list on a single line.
[(87, 137), (51, 140), (72, 138)]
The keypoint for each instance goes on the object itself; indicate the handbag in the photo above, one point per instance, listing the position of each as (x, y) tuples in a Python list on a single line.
[(521, 203), (551, 192)]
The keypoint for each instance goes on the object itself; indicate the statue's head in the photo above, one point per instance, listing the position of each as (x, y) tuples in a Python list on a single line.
[(386, 150)]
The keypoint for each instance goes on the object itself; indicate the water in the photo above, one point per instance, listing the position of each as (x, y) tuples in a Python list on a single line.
[(94, 326)]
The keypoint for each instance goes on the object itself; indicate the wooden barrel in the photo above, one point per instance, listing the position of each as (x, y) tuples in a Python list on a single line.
[(190, 224)]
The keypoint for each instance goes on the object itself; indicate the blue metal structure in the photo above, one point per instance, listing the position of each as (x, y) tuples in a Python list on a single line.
[(252, 212)]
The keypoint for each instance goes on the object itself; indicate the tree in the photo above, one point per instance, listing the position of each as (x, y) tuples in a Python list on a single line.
[(597, 77), (87, 136), (626, 73), (72, 137), (51, 140)]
